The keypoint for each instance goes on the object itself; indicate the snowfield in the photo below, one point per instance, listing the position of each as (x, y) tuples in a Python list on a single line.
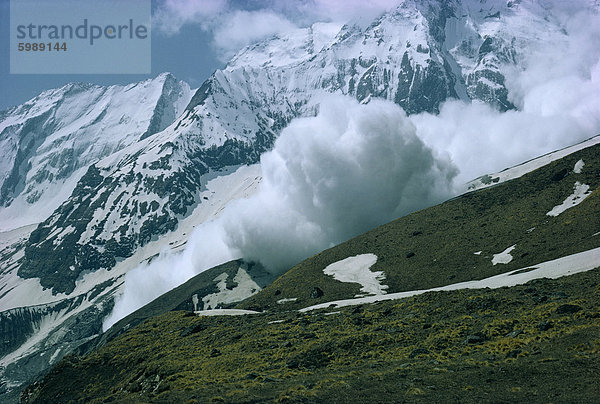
[(77, 125), (357, 270), (580, 192), (569, 265), (504, 257), (245, 288), (225, 312), (527, 167), (221, 187)]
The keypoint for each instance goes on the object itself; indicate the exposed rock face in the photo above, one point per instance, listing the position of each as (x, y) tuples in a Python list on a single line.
[(486, 83), (36, 337)]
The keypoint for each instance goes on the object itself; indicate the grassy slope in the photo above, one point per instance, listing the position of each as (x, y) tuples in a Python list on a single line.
[(538, 342), (415, 350), (445, 237)]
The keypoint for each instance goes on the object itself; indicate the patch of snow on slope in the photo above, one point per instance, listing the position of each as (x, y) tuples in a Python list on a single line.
[(245, 288), (55, 355), (580, 192), (578, 167), (225, 312), (21, 213), (569, 265), (228, 184), (504, 257), (357, 270), (529, 166), (287, 300)]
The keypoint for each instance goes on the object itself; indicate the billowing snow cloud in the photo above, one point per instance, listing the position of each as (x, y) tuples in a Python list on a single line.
[(328, 178), (355, 166), (562, 78), (481, 140), (556, 89), (334, 176)]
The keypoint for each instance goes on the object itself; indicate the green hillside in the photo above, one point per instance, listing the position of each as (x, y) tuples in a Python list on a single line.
[(538, 342), (437, 246)]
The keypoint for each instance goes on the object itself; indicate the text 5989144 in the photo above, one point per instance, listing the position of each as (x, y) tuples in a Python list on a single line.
[(42, 47)]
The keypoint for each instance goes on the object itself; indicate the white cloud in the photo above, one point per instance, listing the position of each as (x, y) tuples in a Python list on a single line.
[(328, 178), (171, 15), (240, 28), (557, 90), (561, 68), (340, 10), (355, 166), (483, 140), (332, 177)]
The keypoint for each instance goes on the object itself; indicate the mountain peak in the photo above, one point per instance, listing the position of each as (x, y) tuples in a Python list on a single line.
[(53, 137), (287, 48), (165, 76)]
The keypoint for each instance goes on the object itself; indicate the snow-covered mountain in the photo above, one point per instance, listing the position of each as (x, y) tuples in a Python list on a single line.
[(99, 179), (418, 56), (458, 283), (49, 142)]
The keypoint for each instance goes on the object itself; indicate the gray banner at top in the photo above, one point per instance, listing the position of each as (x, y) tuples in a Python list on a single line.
[(80, 37)]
